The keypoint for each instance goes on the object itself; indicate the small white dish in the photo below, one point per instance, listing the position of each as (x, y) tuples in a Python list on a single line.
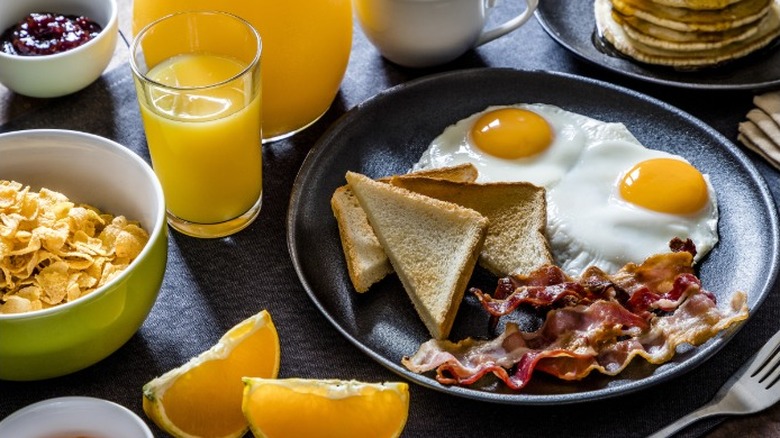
[(76, 417), (66, 72)]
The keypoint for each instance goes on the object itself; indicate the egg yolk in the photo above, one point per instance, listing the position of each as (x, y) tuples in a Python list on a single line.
[(512, 133), (665, 185)]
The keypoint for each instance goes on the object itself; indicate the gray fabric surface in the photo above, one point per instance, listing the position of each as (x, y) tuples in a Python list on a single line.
[(210, 285)]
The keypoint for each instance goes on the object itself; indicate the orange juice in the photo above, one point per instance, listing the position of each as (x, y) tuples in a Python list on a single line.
[(306, 47), (205, 145)]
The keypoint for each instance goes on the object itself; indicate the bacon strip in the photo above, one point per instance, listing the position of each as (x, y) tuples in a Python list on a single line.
[(660, 283), (697, 320), (643, 310), (575, 341)]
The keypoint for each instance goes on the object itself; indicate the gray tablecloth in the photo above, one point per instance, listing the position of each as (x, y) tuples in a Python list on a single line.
[(210, 285)]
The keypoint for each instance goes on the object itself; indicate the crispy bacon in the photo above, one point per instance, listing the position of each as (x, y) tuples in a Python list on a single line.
[(660, 283), (600, 323), (575, 341), (678, 245)]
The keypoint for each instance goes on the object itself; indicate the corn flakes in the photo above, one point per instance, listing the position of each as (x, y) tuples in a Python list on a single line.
[(54, 251)]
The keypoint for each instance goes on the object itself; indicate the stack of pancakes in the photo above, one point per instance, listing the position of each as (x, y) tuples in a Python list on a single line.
[(688, 34)]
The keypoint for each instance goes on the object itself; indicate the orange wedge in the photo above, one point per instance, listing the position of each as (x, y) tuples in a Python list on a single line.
[(325, 408), (202, 398)]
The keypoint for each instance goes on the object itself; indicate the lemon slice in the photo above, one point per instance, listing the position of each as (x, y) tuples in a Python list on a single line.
[(325, 408), (202, 398)]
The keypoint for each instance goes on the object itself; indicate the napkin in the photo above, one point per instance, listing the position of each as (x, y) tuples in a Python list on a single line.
[(761, 131)]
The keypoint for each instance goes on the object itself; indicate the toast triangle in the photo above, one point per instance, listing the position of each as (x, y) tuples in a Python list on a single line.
[(433, 246), (367, 262), (516, 242)]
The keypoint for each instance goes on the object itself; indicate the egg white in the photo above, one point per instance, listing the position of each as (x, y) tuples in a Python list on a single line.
[(589, 223), (572, 133)]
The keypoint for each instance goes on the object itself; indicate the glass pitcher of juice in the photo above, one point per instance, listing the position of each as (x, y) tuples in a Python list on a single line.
[(306, 47)]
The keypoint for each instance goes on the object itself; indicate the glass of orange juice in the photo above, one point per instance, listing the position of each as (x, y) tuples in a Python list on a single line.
[(199, 93), (306, 48)]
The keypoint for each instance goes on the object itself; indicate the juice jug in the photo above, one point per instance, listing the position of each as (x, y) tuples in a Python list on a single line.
[(306, 47)]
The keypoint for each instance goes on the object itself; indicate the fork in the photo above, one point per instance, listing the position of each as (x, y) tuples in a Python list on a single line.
[(751, 389)]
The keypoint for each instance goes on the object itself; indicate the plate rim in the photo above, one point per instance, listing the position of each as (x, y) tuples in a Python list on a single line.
[(706, 351), (542, 19)]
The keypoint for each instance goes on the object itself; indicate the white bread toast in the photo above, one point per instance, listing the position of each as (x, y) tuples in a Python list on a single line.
[(433, 246), (517, 211), (366, 260)]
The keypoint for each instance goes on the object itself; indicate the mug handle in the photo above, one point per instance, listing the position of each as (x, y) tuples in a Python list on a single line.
[(489, 35)]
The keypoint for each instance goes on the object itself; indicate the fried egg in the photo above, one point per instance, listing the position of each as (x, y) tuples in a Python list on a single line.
[(610, 200), (623, 202), (537, 143)]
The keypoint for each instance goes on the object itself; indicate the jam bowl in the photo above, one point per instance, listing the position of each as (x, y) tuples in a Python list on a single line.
[(52, 48)]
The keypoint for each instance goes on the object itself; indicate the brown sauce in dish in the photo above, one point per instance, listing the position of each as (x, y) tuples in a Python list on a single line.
[(46, 33)]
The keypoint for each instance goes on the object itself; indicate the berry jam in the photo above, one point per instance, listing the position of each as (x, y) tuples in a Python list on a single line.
[(45, 33)]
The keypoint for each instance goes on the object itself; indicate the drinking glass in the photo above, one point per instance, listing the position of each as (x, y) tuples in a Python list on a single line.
[(306, 48), (199, 93)]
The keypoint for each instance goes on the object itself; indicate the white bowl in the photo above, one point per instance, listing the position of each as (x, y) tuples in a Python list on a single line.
[(66, 72), (74, 416)]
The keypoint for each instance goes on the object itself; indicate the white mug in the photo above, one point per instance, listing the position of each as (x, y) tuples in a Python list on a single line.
[(423, 33)]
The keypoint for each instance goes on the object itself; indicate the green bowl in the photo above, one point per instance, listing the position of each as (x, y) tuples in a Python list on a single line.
[(93, 170)]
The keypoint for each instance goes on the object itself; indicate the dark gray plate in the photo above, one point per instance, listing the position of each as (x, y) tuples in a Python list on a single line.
[(572, 24), (386, 135)]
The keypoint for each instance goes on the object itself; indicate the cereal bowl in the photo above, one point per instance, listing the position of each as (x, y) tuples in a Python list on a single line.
[(93, 170), (66, 72)]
